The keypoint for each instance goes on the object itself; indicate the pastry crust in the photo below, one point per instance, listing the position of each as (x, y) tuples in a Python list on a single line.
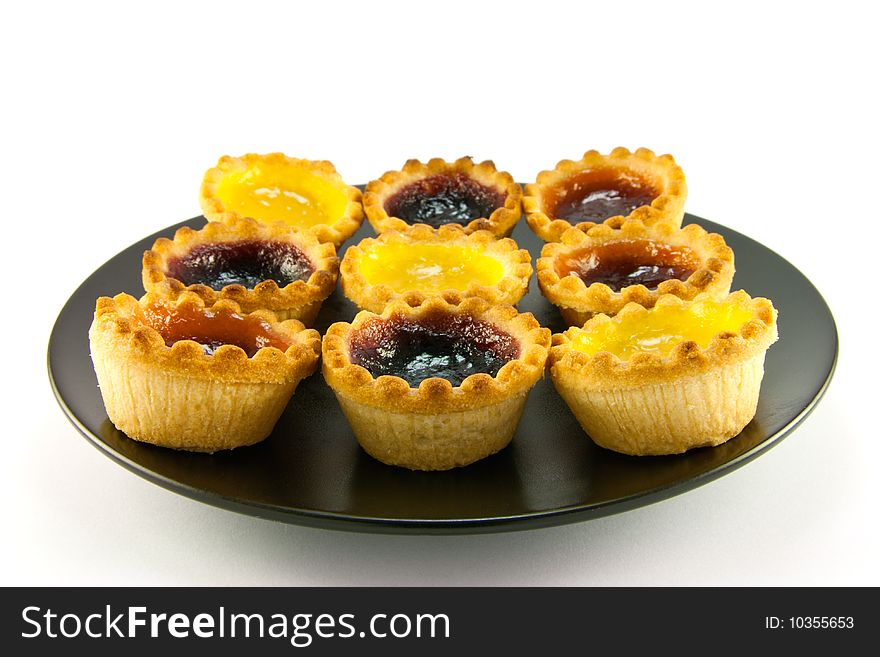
[(299, 300), (436, 426), (659, 170), (509, 290), (500, 223), (578, 301), (336, 231), (179, 396), (649, 405)]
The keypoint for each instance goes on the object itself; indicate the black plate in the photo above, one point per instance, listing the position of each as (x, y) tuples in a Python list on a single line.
[(311, 471)]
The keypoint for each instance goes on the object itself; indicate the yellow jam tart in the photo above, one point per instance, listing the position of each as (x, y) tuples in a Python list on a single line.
[(422, 261), (599, 269), (605, 189), (663, 380), (438, 385), (439, 193), (257, 265), (304, 194), (184, 375)]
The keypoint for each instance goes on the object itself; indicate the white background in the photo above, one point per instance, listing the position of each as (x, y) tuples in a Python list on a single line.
[(110, 115)]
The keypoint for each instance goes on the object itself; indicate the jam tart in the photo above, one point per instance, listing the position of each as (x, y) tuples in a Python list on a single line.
[(599, 269), (605, 189), (664, 380), (188, 376), (474, 196), (438, 385), (255, 264), (305, 194), (421, 261)]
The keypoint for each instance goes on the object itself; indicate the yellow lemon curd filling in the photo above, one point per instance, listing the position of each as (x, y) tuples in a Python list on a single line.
[(429, 267), (282, 193), (661, 328)]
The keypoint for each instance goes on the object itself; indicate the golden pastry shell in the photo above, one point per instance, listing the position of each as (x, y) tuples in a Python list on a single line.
[(500, 223), (579, 301), (437, 395), (336, 232), (660, 170), (117, 325), (509, 290), (297, 300), (604, 370)]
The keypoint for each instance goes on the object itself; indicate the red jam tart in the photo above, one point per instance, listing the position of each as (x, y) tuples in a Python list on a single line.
[(439, 193), (599, 194), (438, 385), (259, 266), (212, 329), (605, 189), (303, 194), (631, 262), (599, 269), (184, 375)]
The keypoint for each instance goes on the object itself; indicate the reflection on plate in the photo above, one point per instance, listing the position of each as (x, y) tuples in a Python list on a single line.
[(311, 471)]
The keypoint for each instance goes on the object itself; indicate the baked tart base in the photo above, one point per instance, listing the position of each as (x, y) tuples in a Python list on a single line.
[(421, 261), (473, 196), (605, 189), (256, 265), (422, 421), (600, 269), (226, 390), (681, 375), (304, 194)]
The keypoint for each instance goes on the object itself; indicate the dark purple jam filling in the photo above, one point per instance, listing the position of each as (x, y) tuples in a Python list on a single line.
[(444, 199), (244, 263), (450, 347)]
